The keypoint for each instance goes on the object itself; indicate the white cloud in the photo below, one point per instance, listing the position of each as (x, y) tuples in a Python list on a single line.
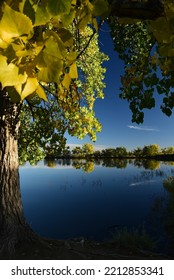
[(145, 128), (100, 147), (72, 146)]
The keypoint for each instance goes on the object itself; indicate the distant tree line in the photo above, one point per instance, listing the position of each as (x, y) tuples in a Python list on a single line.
[(87, 151)]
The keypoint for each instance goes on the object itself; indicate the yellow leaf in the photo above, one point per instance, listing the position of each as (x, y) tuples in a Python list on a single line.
[(3, 44), (18, 88), (95, 24), (52, 72), (9, 73), (41, 93), (66, 81), (44, 75), (73, 71), (53, 48), (71, 57), (14, 24), (30, 87)]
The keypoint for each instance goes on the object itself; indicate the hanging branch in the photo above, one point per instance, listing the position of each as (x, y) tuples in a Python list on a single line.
[(90, 39), (137, 9)]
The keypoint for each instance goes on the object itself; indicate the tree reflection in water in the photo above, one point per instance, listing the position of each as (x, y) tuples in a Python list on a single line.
[(168, 184)]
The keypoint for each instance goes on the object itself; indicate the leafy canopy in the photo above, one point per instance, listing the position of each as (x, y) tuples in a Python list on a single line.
[(51, 64), (146, 47)]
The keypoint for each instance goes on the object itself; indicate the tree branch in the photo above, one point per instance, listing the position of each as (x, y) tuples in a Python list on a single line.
[(91, 37), (137, 9)]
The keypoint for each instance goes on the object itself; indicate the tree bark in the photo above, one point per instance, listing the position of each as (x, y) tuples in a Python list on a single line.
[(13, 226), (137, 9)]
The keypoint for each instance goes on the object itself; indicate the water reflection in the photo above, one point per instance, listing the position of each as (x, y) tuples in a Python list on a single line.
[(74, 198), (115, 162), (169, 222), (88, 165), (147, 164)]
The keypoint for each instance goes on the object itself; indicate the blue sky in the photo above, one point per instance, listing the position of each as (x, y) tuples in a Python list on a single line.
[(115, 116)]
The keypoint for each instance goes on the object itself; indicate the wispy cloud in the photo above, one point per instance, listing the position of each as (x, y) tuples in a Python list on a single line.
[(145, 128)]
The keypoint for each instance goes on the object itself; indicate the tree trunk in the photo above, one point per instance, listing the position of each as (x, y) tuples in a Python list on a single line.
[(13, 226)]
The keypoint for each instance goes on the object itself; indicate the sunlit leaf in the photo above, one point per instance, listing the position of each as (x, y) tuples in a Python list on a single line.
[(14, 24), (73, 71), (66, 81), (3, 44), (18, 88), (41, 93), (71, 56), (9, 73), (30, 87)]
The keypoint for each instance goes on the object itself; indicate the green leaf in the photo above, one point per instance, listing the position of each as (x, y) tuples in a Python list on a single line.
[(67, 19), (54, 46), (51, 60), (101, 8), (14, 24), (42, 16), (161, 30), (10, 53), (65, 36), (159, 89), (84, 21), (166, 111), (59, 7), (28, 9)]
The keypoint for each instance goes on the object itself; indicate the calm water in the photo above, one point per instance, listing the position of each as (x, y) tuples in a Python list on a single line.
[(66, 202)]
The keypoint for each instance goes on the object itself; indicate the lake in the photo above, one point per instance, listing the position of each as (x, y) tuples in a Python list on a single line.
[(69, 199)]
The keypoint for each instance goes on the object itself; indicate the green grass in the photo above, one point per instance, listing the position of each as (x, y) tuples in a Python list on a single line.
[(134, 239)]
